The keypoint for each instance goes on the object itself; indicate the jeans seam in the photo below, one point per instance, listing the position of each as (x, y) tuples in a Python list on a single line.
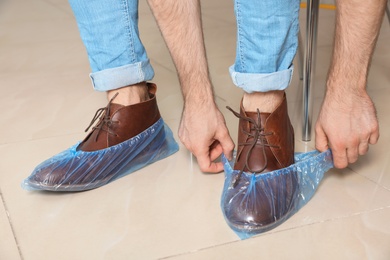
[(129, 31), (239, 40), (295, 27)]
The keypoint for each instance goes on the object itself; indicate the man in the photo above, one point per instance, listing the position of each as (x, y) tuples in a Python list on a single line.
[(266, 46)]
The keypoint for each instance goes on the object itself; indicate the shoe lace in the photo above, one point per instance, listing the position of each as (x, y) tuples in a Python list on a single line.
[(104, 115), (258, 136)]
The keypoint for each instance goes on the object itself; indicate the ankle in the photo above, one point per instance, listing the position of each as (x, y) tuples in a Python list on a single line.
[(266, 102), (130, 95)]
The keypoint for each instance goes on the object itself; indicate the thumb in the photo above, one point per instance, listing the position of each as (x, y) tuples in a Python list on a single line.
[(227, 144)]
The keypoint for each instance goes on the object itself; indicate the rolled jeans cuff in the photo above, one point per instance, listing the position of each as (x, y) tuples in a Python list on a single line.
[(114, 78), (262, 82)]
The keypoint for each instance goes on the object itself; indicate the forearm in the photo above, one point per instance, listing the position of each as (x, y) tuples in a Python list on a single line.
[(357, 28), (181, 27), (202, 127)]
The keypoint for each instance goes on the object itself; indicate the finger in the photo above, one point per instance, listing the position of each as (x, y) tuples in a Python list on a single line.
[(206, 164), (215, 150), (363, 148), (340, 159), (227, 145), (321, 139), (352, 154), (374, 137)]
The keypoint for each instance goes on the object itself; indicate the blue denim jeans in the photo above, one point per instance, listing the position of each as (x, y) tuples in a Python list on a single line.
[(109, 30), (266, 43)]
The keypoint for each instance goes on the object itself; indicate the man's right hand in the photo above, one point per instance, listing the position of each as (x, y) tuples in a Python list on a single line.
[(204, 133)]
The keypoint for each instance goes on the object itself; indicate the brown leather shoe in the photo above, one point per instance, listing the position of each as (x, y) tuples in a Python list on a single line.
[(265, 140), (109, 151), (119, 123), (265, 143)]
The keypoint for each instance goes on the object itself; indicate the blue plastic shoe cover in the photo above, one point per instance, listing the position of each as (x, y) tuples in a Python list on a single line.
[(260, 202), (76, 170)]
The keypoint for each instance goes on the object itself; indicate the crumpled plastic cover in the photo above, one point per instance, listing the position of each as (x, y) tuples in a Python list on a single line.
[(307, 172), (88, 170)]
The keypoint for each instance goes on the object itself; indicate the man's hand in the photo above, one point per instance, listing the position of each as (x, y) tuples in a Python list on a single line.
[(204, 133), (202, 129), (347, 124)]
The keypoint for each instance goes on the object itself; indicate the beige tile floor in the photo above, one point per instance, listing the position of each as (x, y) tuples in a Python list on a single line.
[(169, 210)]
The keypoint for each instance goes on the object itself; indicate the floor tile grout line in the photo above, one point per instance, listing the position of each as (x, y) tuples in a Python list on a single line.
[(40, 139), (371, 180), (11, 225), (275, 232), (380, 185)]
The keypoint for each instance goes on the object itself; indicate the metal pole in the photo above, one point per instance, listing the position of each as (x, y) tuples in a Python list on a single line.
[(300, 56), (309, 66)]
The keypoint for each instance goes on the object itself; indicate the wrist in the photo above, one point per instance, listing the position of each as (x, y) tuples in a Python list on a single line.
[(198, 93), (345, 83)]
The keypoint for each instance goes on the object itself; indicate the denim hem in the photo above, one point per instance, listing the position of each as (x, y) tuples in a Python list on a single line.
[(119, 77), (262, 82)]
